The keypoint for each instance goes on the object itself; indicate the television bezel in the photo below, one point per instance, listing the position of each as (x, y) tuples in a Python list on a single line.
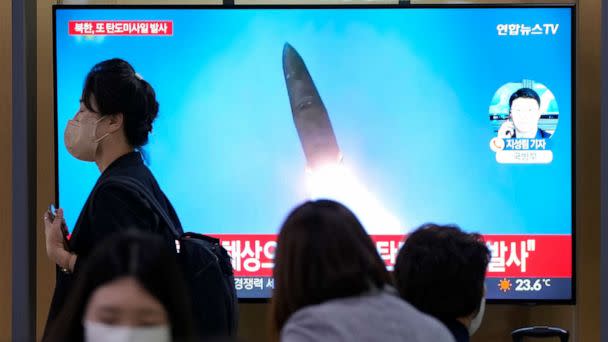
[(372, 6)]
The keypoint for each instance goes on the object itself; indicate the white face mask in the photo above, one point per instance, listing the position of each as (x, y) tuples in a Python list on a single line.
[(476, 321), (99, 332), (80, 140)]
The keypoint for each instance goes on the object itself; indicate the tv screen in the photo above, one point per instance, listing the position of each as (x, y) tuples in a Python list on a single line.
[(407, 115)]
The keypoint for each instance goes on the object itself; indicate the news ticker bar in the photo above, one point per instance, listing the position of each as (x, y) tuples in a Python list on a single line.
[(532, 289)]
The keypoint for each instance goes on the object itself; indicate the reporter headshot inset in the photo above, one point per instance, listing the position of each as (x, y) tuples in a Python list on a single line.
[(524, 110)]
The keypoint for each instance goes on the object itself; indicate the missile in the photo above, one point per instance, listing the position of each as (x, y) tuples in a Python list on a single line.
[(309, 114)]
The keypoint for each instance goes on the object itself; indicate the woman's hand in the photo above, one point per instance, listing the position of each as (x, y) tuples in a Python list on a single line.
[(56, 248)]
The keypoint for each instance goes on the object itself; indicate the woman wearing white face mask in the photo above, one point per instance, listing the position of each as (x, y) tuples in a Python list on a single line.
[(124, 294), (117, 109)]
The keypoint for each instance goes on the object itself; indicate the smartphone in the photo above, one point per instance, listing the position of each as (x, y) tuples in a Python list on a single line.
[(64, 228), (52, 212), (510, 133)]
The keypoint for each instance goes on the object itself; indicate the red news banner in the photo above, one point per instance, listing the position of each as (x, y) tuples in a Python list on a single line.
[(120, 27), (513, 256)]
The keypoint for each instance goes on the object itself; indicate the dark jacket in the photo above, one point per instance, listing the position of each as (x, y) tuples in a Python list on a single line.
[(458, 330), (111, 208), (540, 134)]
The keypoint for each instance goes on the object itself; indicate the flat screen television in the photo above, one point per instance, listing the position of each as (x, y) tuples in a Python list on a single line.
[(459, 114)]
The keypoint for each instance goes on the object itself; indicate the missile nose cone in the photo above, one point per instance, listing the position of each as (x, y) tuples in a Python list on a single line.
[(290, 54), (287, 49), (293, 65)]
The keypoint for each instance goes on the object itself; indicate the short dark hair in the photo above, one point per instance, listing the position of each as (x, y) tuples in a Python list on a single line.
[(145, 257), (524, 93), (441, 271), (118, 89), (323, 252)]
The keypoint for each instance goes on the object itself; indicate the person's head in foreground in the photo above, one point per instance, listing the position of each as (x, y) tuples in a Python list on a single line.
[(130, 289), (441, 271), (332, 285)]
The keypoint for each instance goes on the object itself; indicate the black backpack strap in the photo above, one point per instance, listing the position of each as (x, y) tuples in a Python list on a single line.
[(134, 183)]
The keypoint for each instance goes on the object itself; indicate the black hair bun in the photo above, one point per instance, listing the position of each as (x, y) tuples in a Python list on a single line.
[(117, 88)]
